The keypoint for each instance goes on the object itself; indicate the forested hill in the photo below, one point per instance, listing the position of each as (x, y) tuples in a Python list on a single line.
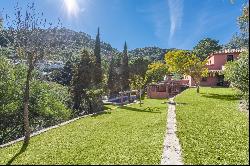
[(73, 41), (152, 53)]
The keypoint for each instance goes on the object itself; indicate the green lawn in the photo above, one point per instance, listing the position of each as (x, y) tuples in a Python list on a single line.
[(126, 135), (210, 127)]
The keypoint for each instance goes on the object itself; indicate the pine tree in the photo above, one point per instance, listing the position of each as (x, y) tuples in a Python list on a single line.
[(125, 69), (98, 65)]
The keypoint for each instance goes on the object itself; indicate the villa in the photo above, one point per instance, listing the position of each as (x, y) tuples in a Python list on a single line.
[(166, 89), (216, 66)]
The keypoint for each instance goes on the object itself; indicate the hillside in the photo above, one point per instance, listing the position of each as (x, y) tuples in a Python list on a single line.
[(152, 53), (73, 41)]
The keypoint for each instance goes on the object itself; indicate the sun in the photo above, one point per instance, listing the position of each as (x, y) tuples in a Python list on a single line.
[(72, 7)]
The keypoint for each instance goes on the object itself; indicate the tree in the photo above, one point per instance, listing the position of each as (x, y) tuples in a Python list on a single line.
[(237, 73), (114, 76), (237, 42), (138, 66), (156, 71), (125, 69), (205, 47), (98, 65), (243, 20), (31, 44), (186, 63), (1, 23), (48, 102), (63, 76), (138, 82), (82, 79), (241, 40)]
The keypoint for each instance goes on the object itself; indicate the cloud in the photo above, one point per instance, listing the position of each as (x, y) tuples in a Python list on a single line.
[(175, 14)]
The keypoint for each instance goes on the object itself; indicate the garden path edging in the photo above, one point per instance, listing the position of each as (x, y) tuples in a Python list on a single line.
[(49, 128)]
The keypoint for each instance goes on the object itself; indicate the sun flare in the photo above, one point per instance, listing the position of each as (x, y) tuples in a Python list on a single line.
[(72, 7)]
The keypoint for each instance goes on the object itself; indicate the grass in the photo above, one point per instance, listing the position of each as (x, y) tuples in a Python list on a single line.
[(125, 135), (210, 127)]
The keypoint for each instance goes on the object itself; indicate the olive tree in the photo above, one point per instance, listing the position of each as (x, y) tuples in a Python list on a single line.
[(138, 82), (26, 32)]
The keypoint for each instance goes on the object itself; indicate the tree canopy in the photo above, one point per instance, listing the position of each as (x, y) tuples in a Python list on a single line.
[(186, 63), (237, 72), (156, 71), (205, 47)]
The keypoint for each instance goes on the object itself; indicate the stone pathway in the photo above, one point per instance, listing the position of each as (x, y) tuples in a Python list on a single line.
[(172, 149)]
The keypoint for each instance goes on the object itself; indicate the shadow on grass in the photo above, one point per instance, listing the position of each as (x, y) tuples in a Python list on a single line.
[(179, 103), (148, 109), (100, 114), (106, 108), (221, 97), (22, 150)]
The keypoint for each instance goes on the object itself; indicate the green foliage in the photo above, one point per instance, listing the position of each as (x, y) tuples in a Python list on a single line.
[(84, 95), (138, 66), (48, 102), (82, 78), (114, 82), (94, 97), (241, 40), (125, 69), (151, 53), (237, 73), (205, 47), (98, 61), (186, 63), (176, 60), (211, 129), (127, 135), (1, 23), (63, 76), (243, 20), (156, 72), (138, 82), (238, 41)]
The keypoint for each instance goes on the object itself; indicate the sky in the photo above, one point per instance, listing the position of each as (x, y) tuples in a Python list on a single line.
[(143, 23)]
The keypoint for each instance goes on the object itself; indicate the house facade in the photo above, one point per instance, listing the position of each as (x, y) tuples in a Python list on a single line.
[(216, 65), (166, 89)]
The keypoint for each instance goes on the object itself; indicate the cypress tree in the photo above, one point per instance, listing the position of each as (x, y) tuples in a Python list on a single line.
[(98, 65), (125, 69)]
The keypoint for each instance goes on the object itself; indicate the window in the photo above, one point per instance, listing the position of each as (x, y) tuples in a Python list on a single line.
[(161, 88), (204, 79), (230, 58)]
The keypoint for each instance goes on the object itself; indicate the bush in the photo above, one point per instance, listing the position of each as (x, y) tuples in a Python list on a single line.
[(237, 73), (48, 102)]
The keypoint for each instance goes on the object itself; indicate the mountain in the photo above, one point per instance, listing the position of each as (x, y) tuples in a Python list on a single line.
[(152, 53), (72, 42)]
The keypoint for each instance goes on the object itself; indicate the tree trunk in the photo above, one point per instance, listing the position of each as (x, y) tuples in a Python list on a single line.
[(26, 108), (198, 88), (140, 97)]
